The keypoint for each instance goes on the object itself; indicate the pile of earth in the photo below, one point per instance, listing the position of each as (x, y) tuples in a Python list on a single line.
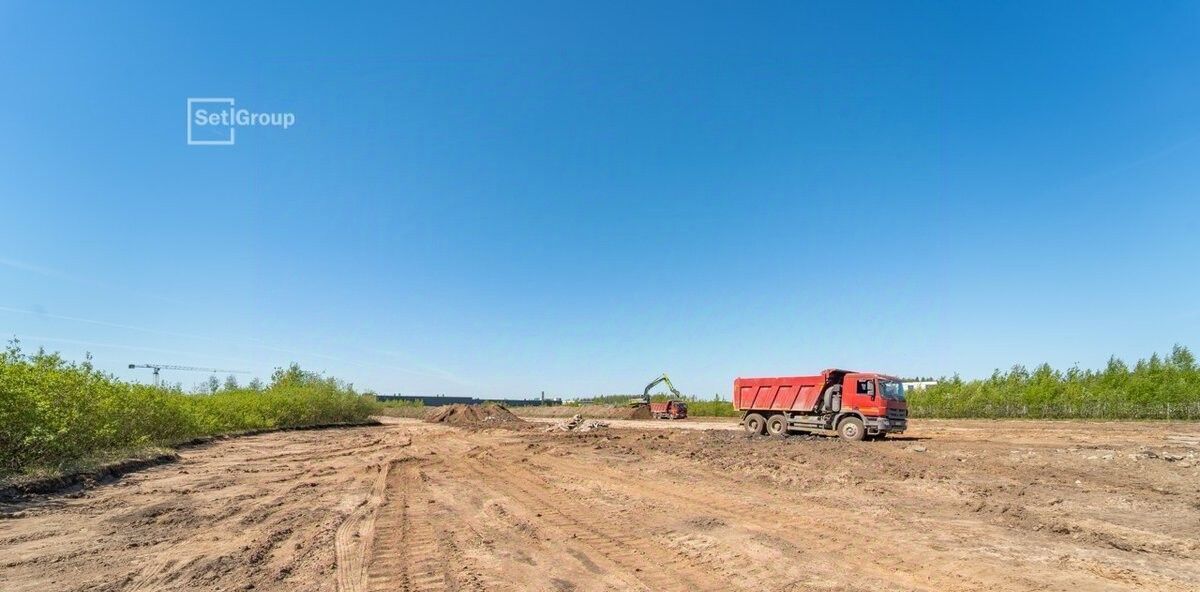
[(472, 415), (640, 412)]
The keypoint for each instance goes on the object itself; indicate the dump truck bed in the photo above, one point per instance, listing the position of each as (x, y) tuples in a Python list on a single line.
[(777, 393)]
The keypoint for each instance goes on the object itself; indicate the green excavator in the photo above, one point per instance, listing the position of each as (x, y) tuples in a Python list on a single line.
[(675, 408)]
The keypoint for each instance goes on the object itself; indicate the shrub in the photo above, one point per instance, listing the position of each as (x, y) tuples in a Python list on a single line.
[(55, 414), (1156, 388)]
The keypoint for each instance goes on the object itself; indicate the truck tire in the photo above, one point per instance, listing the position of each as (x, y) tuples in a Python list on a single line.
[(777, 425), (851, 429), (754, 423)]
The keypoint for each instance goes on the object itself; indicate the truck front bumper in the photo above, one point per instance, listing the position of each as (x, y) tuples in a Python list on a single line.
[(883, 425)]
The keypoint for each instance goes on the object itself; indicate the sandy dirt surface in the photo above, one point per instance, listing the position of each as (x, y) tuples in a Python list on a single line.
[(414, 506), (713, 423)]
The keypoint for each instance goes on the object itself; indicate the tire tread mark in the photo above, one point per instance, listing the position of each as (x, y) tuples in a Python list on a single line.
[(643, 561), (354, 537), (835, 542), (407, 554)]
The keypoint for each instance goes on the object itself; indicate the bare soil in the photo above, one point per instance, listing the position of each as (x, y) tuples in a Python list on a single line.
[(422, 506), (591, 411)]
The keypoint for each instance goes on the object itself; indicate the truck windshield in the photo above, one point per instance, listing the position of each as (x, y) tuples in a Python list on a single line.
[(892, 390)]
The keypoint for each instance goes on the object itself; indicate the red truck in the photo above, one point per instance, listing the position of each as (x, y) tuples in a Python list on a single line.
[(856, 405), (672, 409)]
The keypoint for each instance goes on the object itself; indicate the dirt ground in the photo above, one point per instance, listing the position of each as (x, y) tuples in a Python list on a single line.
[(416, 506), (591, 411)]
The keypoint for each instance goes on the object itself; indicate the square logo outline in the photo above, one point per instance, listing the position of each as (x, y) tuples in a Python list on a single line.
[(190, 141)]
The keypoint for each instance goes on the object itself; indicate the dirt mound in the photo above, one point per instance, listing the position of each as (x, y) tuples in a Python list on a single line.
[(641, 412), (471, 415)]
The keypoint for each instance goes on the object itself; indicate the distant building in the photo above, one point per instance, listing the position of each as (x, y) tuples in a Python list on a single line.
[(917, 385)]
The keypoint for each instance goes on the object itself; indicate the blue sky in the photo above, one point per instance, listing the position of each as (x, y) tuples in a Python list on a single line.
[(499, 199)]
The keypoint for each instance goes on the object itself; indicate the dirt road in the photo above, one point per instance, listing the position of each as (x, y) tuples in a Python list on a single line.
[(415, 506)]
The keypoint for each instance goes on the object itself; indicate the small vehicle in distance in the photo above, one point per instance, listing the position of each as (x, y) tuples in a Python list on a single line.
[(670, 409)]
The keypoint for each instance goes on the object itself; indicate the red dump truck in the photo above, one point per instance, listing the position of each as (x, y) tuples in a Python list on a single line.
[(668, 409), (855, 405)]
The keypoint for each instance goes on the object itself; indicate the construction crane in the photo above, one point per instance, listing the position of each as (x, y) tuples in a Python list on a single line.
[(157, 367)]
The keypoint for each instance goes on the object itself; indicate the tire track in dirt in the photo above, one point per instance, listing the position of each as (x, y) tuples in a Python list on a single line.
[(407, 554), (761, 511), (163, 568), (332, 452), (146, 579), (699, 553), (758, 513), (764, 513), (833, 535), (354, 538), (733, 553), (654, 567), (449, 504)]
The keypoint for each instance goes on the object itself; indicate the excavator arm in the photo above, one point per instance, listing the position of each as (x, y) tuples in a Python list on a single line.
[(657, 381)]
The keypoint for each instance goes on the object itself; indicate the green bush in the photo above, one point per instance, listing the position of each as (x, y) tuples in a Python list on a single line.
[(411, 409), (711, 408), (1156, 388), (399, 403), (56, 414)]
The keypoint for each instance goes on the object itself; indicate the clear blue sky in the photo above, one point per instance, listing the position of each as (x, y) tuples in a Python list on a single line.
[(500, 199)]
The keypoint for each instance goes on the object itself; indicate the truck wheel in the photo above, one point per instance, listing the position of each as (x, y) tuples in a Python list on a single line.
[(777, 425), (754, 423), (851, 429)]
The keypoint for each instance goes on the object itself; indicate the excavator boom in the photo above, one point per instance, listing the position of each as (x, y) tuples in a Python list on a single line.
[(657, 381)]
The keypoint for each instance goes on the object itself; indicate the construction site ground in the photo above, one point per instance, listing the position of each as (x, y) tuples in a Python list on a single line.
[(952, 505)]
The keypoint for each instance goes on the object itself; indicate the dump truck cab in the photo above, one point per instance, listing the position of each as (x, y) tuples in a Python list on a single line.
[(855, 405), (876, 399)]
